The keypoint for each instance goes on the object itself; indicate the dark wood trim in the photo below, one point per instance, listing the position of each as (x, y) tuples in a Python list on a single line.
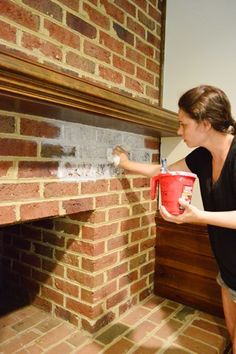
[(32, 81), (186, 269)]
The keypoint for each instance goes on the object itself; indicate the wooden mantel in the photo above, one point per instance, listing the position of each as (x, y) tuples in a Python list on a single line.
[(22, 83)]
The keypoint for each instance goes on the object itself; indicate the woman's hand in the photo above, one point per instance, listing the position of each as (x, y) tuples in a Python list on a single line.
[(122, 153), (190, 215)]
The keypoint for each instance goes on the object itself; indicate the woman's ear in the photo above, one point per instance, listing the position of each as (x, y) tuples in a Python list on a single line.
[(207, 125)]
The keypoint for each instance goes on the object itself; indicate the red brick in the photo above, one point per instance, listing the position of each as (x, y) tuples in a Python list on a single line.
[(153, 93), (17, 147), (19, 191), (96, 17), (147, 268), (118, 213), (148, 219), (140, 208), (43, 250), (141, 182), (130, 224), (54, 267), (145, 75), (97, 52), (38, 128), (31, 259), (92, 265), (119, 184), (41, 277), (153, 40), (56, 150), (142, 4), (83, 309), (139, 285), (60, 189), (46, 48), (80, 62), (129, 251), (122, 346), (110, 75), (7, 123), (136, 27), (7, 214), (123, 65), (67, 227), (107, 200), (113, 44), (7, 32), (117, 242), (93, 217), (81, 26), (94, 327), (67, 258), (5, 166), (113, 11), (19, 14), (66, 287), (38, 210), (96, 233), (139, 234), (84, 248), (149, 243), (29, 169), (94, 187), (146, 21), (77, 205), (144, 48), (66, 316), (62, 35), (117, 271), (156, 15), (126, 6), (51, 294), (131, 197), (90, 281), (53, 239), (133, 85), (47, 7), (73, 4), (193, 345), (124, 34), (135, 56), (153, 66), (98, 295), (54, 336), (117, 298), (137, 261)]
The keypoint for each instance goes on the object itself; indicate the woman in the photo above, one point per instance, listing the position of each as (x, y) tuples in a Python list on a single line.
[(206, 123)]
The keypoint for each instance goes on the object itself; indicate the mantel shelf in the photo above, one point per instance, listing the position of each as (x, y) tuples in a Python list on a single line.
[(23, 82)]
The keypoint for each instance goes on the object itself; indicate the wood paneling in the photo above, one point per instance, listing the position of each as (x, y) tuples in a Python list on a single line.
[(185, 267)]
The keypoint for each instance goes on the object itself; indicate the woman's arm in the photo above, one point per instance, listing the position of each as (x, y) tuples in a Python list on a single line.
[(146, 169)]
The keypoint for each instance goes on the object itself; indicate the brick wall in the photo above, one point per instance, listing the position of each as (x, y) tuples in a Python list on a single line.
[(113, 43), (90, 266), (93, 264)]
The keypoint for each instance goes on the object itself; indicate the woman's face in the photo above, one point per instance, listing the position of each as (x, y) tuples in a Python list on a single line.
[(192, 132)]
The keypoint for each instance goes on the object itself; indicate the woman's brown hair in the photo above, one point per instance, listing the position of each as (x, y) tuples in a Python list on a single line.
[(209, 103)]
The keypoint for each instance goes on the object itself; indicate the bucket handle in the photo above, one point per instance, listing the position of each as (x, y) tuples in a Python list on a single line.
[(154, 183)]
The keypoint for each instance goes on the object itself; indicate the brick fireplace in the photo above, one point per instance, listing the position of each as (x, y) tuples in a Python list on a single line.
[(77, 78), (89, 255), (78, 234)]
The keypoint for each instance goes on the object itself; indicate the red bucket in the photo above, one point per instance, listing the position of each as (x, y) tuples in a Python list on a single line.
[(173, 185)]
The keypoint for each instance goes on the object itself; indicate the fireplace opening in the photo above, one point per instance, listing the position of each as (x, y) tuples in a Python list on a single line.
[(41, 264)]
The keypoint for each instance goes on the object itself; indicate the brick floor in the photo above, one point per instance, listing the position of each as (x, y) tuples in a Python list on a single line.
[(155, 326)]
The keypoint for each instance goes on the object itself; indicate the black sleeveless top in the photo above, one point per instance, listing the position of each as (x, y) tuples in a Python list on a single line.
[(220, 196)]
